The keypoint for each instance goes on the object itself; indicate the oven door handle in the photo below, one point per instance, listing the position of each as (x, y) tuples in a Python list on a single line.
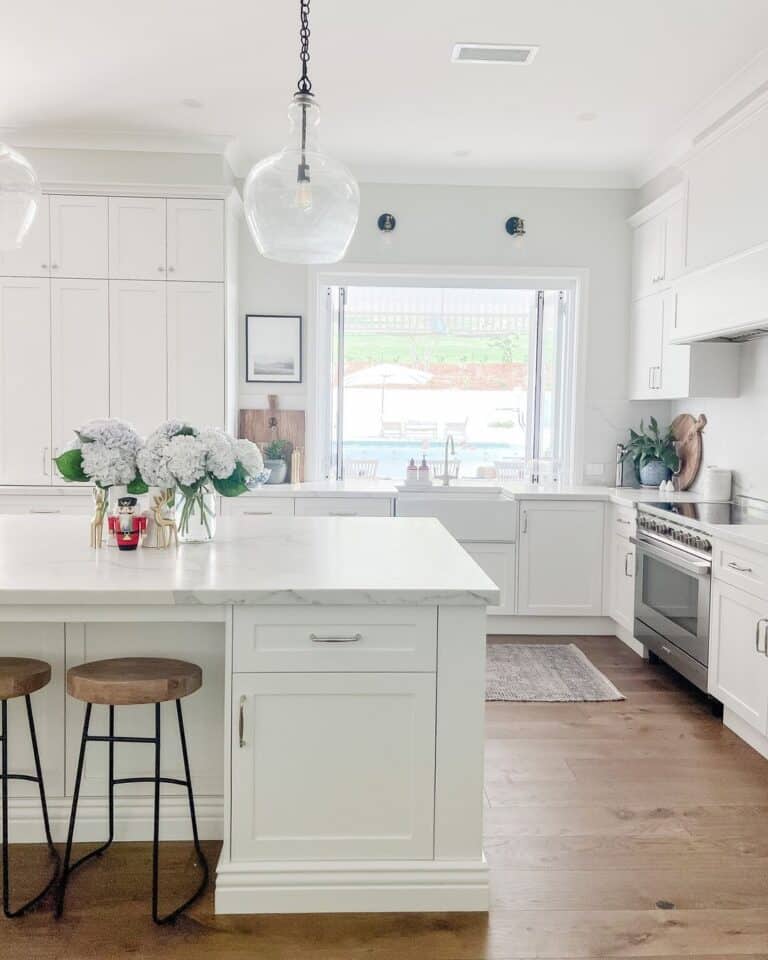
[(698, 568)]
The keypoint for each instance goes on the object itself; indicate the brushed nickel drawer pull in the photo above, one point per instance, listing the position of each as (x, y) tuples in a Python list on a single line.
[(33, 510), (626, 522), (257, 513), (759, 623), (241, 722), (735, 566), (342, 513), (331, 638)]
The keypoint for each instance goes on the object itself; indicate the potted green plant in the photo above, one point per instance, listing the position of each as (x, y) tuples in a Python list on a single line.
[(274, 460), (653, 453)]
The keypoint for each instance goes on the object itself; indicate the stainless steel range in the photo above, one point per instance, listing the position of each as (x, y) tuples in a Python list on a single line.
[(673, 570)]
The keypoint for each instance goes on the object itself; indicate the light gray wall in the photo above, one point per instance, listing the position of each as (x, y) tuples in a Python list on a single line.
[(464, 226)]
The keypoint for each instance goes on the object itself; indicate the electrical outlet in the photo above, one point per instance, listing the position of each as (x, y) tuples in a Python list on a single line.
[(594, 469)]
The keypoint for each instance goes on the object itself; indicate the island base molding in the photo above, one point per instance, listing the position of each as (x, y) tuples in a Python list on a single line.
[(355, 887), (133, 819)]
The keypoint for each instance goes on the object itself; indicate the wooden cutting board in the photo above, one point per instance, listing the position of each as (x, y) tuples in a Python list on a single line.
[(262, 426), (686, 430)]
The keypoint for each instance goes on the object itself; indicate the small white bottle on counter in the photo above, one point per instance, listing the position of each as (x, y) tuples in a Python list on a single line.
[(412, 473), (424, 471)]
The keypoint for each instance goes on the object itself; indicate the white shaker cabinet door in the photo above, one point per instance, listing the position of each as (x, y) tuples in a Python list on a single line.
[(330, 766), (738, 664), (560, 558), (646, 346), (79, 356), (622, 582), (137, 238), (498, 561), (196, 363), (33, 258), (196, 240), (25, 381), (79, 237), (138, 353)]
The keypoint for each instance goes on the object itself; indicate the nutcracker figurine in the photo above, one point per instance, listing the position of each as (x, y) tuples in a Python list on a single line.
[(126, 527)]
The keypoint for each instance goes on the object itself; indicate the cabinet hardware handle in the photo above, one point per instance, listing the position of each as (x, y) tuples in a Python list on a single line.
[(665, 649), (241, 723), (257, 513), (43, 266), (161, 269), (735, 566), (45, 461), (32, 510), (171, 269), (525, 521), (342, 513), (650, 378), (627, 558), (622, 520), (54, 266), (330, 638)]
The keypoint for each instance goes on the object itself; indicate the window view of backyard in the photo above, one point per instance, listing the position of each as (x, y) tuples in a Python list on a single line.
[(418, 364)]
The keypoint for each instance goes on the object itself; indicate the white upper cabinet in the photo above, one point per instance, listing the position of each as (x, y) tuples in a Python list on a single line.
[(138, 353), (79, 237), (137, 238), (25, 381), (196, 367), (657, 245), (33, 258), (646, 336), (195, 240), (560, 571), (79, 356)]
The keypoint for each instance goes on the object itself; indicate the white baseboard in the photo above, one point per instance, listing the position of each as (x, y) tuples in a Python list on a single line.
[(353, 887), (742, 729), (133, 818), (552, 626)]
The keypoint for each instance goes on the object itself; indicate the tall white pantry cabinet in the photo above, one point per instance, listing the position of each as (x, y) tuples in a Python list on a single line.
[(114, 306)]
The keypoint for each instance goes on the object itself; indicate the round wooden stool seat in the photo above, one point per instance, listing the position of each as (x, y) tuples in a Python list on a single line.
[(133, 680), (20, 676)]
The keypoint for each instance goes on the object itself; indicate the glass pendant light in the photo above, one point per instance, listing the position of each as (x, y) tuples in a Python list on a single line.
[(301, 205), (19, 197)]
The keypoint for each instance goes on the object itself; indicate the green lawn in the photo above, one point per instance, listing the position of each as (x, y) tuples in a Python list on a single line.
[(425, 349)]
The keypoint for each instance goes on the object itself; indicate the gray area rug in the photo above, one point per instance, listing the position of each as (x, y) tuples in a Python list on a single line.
[(546, 673)]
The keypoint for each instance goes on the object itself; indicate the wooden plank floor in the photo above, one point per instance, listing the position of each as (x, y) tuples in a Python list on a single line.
[(636, 829)]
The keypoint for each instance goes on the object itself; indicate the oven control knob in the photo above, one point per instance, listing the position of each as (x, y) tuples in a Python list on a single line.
[(706, 545)]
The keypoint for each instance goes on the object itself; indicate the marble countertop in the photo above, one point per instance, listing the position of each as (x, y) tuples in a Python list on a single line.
[(324, 560)]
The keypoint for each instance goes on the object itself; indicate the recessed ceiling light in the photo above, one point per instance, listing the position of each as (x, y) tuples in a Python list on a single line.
[(192, 102), (586, 117), (516, 54), (462, 153)]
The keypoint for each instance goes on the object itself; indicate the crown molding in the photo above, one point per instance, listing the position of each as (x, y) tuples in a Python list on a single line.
[(139, 141), (100, 189)]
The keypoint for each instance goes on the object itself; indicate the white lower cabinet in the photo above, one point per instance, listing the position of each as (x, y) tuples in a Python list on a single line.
[(560, 558), (498, 561), (256, 506), (343, 507), (333, 766), (738, 664), (621, 580)]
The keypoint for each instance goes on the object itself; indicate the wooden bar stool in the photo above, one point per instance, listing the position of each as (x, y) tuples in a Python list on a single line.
[(20, 677), (124, 682)]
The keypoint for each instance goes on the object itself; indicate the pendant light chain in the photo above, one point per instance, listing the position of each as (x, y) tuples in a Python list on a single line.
[(305, 84)]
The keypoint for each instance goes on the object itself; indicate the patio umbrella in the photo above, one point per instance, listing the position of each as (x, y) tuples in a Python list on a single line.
[(387, 375)]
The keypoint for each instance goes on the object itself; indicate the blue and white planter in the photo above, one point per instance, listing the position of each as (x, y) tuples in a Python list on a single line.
[(653, 473)]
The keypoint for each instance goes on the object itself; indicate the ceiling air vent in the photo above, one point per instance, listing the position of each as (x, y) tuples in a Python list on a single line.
[(516, 54)]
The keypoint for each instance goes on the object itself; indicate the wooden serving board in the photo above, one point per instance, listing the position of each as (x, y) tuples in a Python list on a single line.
[(262, 426), (686, 430)]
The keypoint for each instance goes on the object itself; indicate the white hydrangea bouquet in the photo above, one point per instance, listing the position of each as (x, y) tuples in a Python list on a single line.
[(197, 463), (104, 453)]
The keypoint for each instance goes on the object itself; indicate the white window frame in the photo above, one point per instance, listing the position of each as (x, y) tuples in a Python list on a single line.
[(319, 341)]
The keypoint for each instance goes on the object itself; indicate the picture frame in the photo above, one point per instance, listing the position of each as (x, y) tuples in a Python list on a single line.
[(273, 348)]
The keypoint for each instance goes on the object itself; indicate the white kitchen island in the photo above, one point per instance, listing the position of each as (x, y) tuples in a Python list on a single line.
[(337, 742)]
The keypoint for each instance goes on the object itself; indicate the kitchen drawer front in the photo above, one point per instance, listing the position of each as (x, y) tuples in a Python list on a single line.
[(741, 567), (470, 521), (47, 504), (343, 507), (623, 521), (306, 639), (246, 506)]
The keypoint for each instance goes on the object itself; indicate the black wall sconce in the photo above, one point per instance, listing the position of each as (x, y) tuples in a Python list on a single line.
[(386, 223), (515, 227)]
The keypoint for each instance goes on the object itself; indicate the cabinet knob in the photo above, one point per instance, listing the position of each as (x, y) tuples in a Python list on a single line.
[(54, 266), (161, 269), (171, 269), (43, 266)]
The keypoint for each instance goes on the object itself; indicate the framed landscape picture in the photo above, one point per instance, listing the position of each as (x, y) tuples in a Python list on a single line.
[(272, 348)]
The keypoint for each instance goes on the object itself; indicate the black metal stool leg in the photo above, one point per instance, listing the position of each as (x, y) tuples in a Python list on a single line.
[(38, 779), (169, 918), (71, 832)]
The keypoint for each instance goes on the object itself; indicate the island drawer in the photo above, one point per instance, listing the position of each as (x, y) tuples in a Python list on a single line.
[(335, 638)]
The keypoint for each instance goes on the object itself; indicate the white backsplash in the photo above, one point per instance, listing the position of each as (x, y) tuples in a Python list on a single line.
[(736, 436)]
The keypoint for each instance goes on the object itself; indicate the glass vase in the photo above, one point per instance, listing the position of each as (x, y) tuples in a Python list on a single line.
[(196, 516)]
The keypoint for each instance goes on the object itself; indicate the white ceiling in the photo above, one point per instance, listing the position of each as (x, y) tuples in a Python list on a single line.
[(394, 104)]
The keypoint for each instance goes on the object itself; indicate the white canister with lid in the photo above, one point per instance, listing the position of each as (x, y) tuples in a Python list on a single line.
[(714, 483)]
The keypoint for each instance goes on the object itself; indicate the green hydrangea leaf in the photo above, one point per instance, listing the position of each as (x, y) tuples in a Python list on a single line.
[(233, 485), (137, 486), (70, 466)]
